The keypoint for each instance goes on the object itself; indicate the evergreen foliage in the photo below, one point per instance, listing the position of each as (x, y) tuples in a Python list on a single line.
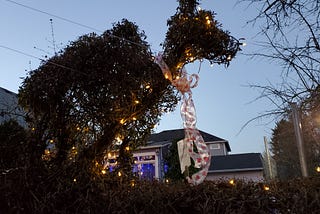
[(99, 90)]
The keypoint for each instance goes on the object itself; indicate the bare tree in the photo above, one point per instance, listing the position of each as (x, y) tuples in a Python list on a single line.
[(291, 30)]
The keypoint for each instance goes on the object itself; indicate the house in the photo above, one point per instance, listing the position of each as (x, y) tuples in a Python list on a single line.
[(9, 108), (248, 166)]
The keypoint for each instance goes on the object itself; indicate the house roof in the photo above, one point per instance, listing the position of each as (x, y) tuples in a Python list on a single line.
[(177, 134), (236, 162)]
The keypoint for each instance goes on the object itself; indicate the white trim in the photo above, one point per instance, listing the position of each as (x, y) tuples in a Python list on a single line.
[(153, 147), (155, 161)]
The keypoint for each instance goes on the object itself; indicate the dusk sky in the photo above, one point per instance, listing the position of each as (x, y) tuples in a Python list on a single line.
[(223, 100)]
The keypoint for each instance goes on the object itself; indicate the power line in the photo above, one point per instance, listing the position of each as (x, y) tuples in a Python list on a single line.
[(74, 22), (35, 57)]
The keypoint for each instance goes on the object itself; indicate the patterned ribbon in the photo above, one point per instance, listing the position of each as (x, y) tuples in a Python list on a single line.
[(193, 138)]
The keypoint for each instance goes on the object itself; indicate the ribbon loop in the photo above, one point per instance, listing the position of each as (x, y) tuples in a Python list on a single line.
[(201, 157)]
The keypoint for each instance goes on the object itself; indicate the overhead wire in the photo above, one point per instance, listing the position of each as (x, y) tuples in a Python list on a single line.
[(66, 20), (35, 57), (74, 22)]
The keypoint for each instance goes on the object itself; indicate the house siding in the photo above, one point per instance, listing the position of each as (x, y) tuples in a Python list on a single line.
[(9, 108), (217, 149), (255, 176)]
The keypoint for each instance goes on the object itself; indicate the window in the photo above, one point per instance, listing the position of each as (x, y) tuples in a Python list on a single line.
[(215, 146)]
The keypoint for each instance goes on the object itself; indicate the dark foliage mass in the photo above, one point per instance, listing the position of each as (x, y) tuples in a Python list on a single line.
[(98, 89), (291, 196), (195, 35), (14, 149)]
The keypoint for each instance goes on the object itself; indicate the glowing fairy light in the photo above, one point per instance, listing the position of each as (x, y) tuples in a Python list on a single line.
[(118, 139), (103, 171), (232, 182), (119, 174), (122, 121), (266, 188)]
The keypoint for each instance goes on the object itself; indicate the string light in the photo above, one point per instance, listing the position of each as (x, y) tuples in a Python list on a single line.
[(122, 121), (232, 182), (119, 174), (103, 171), (266, 188)]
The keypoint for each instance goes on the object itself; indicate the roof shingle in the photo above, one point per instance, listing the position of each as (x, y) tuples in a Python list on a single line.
[(236, 162)]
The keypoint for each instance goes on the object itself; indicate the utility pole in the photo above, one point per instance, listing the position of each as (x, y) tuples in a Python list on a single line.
[(297, 131), (268, 157)]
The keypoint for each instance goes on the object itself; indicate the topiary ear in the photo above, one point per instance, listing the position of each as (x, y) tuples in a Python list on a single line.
[(195, 35)]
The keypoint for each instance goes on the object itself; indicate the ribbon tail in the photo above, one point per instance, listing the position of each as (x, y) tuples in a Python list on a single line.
[(184, 156)]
